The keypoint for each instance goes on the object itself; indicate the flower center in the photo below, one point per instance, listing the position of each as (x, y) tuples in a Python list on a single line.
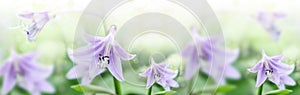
[(269, 71), (103, 60), (157, 76)]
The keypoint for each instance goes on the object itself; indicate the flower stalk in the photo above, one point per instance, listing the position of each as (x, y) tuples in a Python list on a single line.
[(117, 86), (260, 89), (149, 91)]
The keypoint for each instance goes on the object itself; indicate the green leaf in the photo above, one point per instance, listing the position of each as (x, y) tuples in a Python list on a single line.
[(92, 89), (165, 92), (279, 92), (217, 89), (225, 88)]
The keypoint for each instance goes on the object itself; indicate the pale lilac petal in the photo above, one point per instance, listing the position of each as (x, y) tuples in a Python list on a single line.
[(147, 72), (172, 83), (150, 80), (46, 87), (261, 77), (115, 67), (37, 69), (281, 86), (93, 39), (193, 65), (86, 79), (167, 88), (77, 71), (231, 72), (4, 68), (281, 67), (94, 70), (256, 68), (288, 80), (27, 15), (30, 86), (9, 80), (275, 77), (277, 58), (188, 50), (122, 53)]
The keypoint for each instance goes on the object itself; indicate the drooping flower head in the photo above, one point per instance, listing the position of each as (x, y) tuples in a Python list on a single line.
[(160, 74), (99, 54), (267, 20), (27, 73), (38, 21), (273, 69), (208, 55)]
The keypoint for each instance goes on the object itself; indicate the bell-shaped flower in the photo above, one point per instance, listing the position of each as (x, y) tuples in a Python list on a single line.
[(38, 21), (160, 74), (267, 20), (273, 69), (27, 73), (208, 55), (92, 60)]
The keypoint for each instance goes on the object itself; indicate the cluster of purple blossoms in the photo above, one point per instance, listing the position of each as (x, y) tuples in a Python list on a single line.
[(160, 74), (205, 54), (99, 54), (273, 69), (39, 20), (27, 73)]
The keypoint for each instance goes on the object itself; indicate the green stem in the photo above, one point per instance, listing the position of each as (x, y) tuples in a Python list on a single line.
[(149, 91), (259, 91), (117, 86)]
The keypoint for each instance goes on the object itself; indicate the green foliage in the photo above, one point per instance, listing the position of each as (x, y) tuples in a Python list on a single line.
[(92, 89), (279, 92)]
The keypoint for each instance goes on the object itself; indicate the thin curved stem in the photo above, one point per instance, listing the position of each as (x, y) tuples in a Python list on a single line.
[(149, 91), (117, 86), (259, 91)]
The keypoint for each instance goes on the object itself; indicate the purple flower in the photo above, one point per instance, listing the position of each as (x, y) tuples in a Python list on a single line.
[(39, 20), (101, 52), (27, 73), (160, 74), (214, 60), (267, 20), (273, 69)]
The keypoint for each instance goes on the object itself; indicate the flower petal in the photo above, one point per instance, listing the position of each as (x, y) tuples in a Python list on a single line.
[(231, 72), (150, 80), (27, 15), (46, 87), (115, 67), (288, 80), (187, 51), (146, 73), (261, 77), (77, 71), (93, 39), (122, 53), (172, 83), (256, 68), (193, 65), (5, 67), (9, 80)]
